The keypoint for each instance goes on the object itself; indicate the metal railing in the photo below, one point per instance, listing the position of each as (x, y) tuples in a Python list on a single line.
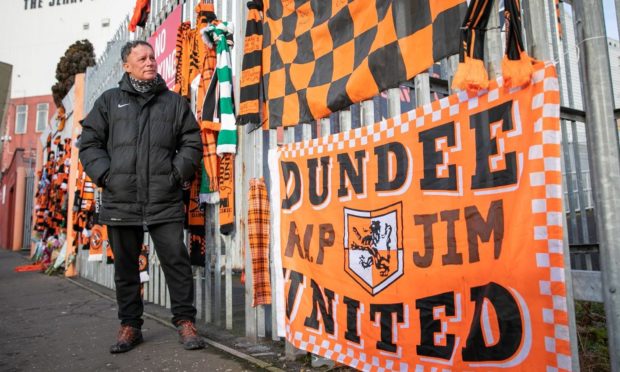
[(28, 208)]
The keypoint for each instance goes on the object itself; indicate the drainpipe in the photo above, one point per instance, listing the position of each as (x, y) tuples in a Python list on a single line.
[(18, 217)]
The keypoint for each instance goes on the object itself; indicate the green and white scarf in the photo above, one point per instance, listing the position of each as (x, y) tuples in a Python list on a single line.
[(220, 35)]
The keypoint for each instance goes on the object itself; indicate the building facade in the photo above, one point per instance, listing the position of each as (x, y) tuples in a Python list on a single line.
[(26, 119), (34, 35)]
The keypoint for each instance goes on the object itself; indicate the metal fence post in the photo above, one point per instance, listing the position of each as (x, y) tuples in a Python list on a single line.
[(539, 47), (604, 161), (493, 44)]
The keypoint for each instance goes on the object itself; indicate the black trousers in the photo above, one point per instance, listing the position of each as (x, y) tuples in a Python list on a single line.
[(126, 242)]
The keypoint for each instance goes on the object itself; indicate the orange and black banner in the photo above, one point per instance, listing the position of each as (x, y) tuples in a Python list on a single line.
[(98, 238), (428, 241), (320, 57)]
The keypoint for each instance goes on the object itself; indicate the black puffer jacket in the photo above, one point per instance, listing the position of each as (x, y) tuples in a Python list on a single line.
[(140, 148)]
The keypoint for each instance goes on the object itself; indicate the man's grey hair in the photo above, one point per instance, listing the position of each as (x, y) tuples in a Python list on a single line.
[(127, 48)]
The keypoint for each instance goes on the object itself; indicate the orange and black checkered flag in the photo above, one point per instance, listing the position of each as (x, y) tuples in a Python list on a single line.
[(251, 69), (320, 57)]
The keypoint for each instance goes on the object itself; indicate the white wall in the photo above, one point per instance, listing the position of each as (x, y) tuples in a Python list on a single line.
[(34, 39)]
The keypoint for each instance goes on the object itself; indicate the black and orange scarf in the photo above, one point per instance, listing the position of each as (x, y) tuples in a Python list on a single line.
[(516, 64), (251, 69)]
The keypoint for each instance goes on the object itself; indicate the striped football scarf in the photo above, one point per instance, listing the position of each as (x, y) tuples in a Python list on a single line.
[(219, 34), (251, 69), (516, 64)]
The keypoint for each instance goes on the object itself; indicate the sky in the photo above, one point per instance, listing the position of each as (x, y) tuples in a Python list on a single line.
[(34, 35), (611, 22)]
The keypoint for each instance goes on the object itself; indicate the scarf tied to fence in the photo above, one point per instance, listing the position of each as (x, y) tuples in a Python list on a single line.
[(251, 69), (516, 64)]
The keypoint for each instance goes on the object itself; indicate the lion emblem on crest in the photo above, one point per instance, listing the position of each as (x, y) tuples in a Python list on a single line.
[(368, 242)]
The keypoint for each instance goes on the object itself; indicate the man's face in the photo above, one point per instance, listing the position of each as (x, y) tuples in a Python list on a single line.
[(141, 63)]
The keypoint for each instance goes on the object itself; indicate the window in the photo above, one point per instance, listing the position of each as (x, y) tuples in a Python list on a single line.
[(21, 116), (42, 112), (85, 26), (105, 22)]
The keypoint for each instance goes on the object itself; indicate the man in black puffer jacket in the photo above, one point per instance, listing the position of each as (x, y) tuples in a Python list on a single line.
[(141, 142)]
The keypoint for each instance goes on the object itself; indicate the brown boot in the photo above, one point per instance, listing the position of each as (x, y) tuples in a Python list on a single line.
[(188, 335), (128, 337)]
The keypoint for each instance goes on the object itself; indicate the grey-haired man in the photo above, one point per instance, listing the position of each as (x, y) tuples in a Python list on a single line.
[(140, 142)]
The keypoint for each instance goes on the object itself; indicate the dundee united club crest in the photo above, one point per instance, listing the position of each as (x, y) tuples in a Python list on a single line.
[(373, 246)]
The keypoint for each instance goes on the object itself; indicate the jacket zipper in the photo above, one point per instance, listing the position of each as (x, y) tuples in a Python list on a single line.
[(147, 130)]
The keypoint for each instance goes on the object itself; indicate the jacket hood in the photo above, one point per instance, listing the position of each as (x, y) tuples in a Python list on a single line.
[(125, 84)]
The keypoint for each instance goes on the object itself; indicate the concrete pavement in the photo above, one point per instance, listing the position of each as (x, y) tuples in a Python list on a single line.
[(49, 323)]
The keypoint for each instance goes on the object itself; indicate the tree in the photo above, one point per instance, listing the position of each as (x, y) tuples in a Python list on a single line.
[(77, 58)]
